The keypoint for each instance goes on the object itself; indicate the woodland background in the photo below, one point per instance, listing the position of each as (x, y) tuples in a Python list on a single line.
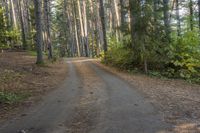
[(157, 37)]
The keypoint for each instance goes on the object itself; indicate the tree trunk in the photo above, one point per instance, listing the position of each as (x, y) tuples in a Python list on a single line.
[(102, 14), (123, 16), (38, 23), (76, 30), (155, 8), (92, 28), (97, 29), (178, 18), (47, 27), (167, 19), (117, 19), (22, 25), (85, 22), (134, 12), (191, 15), (199, 13), (13, 15)]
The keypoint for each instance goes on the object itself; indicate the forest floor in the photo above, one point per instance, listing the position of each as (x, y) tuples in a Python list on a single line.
[(23, 82), (177, 99)]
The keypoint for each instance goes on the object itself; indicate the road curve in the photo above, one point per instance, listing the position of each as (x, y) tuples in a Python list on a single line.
[(90, 100)]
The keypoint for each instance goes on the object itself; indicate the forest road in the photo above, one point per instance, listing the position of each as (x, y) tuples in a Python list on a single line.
[(90, 100)]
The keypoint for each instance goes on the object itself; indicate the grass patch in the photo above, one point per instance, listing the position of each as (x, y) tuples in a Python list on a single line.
[(11, 98), (32, 53), (42, 64)]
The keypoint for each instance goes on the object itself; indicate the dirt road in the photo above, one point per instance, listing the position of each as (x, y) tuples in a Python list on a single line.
[(90, 100)]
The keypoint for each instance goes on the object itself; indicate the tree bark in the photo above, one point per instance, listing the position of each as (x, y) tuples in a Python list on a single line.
[(76, 30), (47, 27), (102, 14), (123, 16), (22, 25), (85, 22), (116, 18), (38, 24), (13, 15), (178, 18), (134, 6), (199, 13), (191, 15), (166, 15)]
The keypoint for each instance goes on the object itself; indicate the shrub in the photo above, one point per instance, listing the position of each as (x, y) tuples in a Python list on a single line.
[(185, 55), (120, 57)]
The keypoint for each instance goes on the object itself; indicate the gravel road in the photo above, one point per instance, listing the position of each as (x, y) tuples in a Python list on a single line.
[(90, 100)]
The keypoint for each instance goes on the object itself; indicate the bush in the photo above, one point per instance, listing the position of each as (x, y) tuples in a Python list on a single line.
[(185, 56), (120, 57), (180, 59), (118, 54)]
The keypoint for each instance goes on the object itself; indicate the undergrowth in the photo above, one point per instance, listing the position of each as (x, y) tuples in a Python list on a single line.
[(11, 98), (179, 59)]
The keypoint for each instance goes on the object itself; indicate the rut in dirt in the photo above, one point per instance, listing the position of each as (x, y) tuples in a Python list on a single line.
[(90, 100)]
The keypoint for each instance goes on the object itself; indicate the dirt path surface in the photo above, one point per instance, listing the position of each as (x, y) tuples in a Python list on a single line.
[(19, 75), (178, 100), (90, 100)]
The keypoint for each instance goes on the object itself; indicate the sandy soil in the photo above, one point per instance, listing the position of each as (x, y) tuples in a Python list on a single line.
[(179, 100), (19, 74)]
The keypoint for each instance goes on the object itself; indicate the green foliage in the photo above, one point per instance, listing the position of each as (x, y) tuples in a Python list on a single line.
[(180, 59), (7, 35), (185, 55), (11, 98), (32, 53), (120, 57), (2, 28), (13, 35)]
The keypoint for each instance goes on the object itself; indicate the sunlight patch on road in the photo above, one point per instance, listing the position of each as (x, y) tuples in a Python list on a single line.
[(80, 60)]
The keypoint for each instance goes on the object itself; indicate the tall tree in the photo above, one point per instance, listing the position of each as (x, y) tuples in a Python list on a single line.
[(85, 22), (123, 15), (13, 14), (191, 15), (134, 7), (178, 18), (116, 19), (199, 12), (76, 29), (47, 9), (23, 34), (38, 24), (166, 15), (102, 14)]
